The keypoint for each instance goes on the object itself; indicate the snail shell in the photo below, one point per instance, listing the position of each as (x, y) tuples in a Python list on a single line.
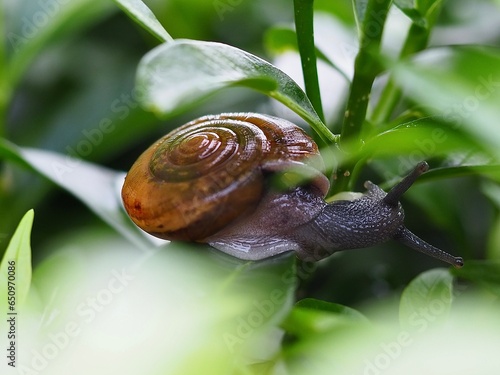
[(195, 180)]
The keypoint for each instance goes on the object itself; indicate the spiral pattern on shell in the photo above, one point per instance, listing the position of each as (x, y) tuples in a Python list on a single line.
[(205, 174)]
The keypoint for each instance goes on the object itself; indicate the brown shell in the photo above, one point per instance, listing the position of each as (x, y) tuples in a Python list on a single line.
[(195, 180)]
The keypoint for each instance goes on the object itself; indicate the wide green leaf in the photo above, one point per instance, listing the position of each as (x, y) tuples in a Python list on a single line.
[(311, 316), (10, 152), (427, 138), (96, 186), (426, 300), (140, 13), (15, 268), (423, 138), (461, 86), (342, 10), (177, 75)]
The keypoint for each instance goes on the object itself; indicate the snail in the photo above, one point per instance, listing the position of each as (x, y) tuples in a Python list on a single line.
[(209, 181)]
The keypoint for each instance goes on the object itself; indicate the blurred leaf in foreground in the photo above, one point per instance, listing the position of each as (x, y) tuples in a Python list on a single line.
[(16, 265), (181, 309), (426, 300), (461, 84)]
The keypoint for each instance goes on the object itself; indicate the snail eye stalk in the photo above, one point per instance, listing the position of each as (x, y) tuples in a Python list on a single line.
[(394, 195)]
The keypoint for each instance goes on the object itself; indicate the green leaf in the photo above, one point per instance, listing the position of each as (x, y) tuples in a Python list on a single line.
[(342, 10), (423, 139), (491, 171), (426, 137), (321, 341), (9, 151), (97, 187), (311, 316), (469, 340), (485, 273), (329, 307), (15, 268), (280, 39), (426, 300), (383, 347), (421, 12), (177, 75), (461, 86), (142, 15)]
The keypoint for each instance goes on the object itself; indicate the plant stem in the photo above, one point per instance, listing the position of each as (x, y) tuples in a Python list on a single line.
[(416, 41), (366, 68), (304, 26)]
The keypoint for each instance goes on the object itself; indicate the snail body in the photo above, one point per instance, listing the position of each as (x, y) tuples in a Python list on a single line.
[(210, 181)]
